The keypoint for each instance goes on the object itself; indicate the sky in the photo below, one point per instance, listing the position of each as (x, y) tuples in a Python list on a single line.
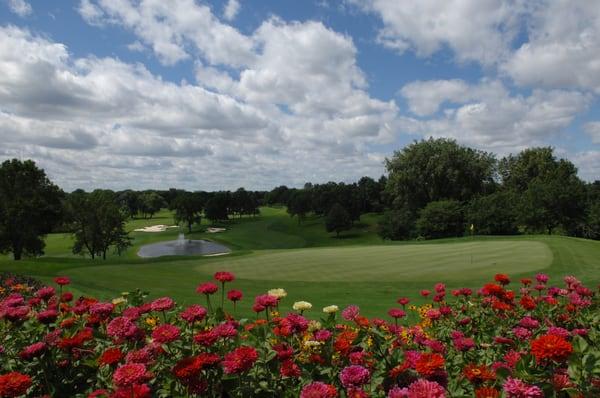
[(212, 95)]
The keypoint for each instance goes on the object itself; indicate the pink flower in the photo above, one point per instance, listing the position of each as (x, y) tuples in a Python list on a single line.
[(223, 276), (396, 313), (515, 388), (207, 288), (193, 313), (323, 335), (162, 304), (239, 360), (354, 376), (225, 330), (122, 328), (542, 278), (557, 331), (425, 389), (265, 301), (398, 392), (425, 292), (45, 293), (351, 312), (62, 280), (47, 316), (165, 333), (32, 351), (101, 310), (403, 301), (234, 295), (317, 389), (129, 374)]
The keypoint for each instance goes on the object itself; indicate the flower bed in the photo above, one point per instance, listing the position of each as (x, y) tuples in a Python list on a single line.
[(534, 340)]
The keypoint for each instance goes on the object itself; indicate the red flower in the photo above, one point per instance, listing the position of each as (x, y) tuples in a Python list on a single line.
[(32, 351), (135, 391), (193, 313), (122, 328), (223, 276), (187, 368), (239, 360), (491, 289), (317, 389), (165, 333), (14, 384), (48, 316), (527, 302), (502, 279), (428, 364), (110, 357), (77, 341), (207, 288), (551, 347), (234, 295), (396, 313), (130, 374), (206, 338), (289, 369), (478, 373), (487, 392), (62, 280)]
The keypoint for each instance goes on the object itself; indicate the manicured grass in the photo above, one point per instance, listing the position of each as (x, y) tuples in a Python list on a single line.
[(274, 251)]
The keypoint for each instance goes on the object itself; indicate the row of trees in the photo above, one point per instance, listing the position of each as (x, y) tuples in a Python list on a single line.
[(438, 188)]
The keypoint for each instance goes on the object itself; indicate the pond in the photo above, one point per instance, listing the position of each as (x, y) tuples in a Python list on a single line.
[(183, 247)]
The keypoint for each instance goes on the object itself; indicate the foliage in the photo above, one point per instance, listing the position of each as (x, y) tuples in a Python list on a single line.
[(397, 224), (30, 206), (493, 214), (150, 203), (437, 169), (338, 220), (217, 207), (188, 209), (299, 204), (545, 345), (441, 219), (97, 223)]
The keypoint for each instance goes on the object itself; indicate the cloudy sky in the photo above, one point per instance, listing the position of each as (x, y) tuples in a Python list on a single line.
[(216, 94)]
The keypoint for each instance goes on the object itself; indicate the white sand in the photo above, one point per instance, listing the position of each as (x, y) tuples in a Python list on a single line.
[(212, 230), (156, 228)]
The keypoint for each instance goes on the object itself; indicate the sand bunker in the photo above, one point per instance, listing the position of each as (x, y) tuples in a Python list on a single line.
[(155, 228), (212, 230)]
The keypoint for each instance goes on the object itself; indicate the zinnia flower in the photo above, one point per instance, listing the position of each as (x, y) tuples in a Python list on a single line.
[(14, 384), (62, 280), (551, 347), (354, 376), (193, 313), (207, 288), (351, 312), (165, 333), (110, 357), (515, 388), (330, 309), (234, 295), (129, 374), (487, 392), (302, 306), (317, 389), (429, 363), (223, 276), (279, 293), (162, 304), (32, 351), (425, 389), (239, 360)]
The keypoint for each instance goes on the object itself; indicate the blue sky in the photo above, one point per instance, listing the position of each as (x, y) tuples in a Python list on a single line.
[(221, 94)]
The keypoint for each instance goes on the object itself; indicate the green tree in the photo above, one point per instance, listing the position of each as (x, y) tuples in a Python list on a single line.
[(188, 209), (217, 207), (130, 202), (98, 224), (437, 169), (397, 224), (299, 204), (151, 203), (30, 206), (494, 214), (338, 220), (441, 219)]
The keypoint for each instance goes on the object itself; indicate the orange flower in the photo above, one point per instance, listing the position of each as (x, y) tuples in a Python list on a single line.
[(478, 373), (551, 347), (428, 364), (487, 392)]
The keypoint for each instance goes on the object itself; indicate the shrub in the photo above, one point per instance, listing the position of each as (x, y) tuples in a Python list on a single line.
[(441, 219)]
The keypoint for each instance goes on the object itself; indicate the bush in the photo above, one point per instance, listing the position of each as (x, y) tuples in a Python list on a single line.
[(494, 214), (441, 219), (397, 225)]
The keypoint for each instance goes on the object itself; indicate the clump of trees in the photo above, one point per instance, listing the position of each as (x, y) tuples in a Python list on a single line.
[(30, 207), (437, 188)]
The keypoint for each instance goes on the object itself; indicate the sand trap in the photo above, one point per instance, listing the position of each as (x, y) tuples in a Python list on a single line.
[(155, 228), (212, 230)]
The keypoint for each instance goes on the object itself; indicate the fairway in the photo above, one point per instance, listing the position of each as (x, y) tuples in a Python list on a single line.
[(415, 262)]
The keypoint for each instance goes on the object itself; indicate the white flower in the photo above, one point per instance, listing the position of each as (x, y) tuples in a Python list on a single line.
[(302, 306), (279, 293), (330, 309)]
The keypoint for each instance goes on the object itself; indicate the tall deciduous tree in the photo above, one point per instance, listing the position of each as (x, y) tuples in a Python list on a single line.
[(98, 224), (188, 208), (30, 206), (338, 219)]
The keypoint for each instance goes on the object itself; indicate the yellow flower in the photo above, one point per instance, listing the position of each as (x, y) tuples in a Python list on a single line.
[(314, 325), (118, 300), (150, 321), (330, 309), (302, 306), (279, 293)]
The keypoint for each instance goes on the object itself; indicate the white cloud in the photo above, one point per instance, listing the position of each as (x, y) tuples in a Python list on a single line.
[(588, 164), (563, 49), (593, 130), (487, 116), (476, 30), (231, 9), (20, 7)]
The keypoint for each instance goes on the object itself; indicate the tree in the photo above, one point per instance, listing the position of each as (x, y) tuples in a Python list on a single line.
[(397, 224), (130, 202), (30, 206), (441, 219), (188, 208), (494, 214), (98, 224), (437, 169), (151, 203), (217, 207), (338, 220), (299, 204), (551, 193)]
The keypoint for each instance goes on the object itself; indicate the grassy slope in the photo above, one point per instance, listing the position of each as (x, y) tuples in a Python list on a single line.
[(358, 268)]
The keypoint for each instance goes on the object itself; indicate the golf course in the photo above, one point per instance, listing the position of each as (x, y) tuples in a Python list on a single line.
[(273, 250)]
